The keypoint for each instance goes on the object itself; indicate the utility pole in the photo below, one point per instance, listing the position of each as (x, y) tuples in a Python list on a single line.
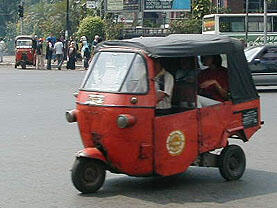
[(265, 21), (246, 22), (67, 20)]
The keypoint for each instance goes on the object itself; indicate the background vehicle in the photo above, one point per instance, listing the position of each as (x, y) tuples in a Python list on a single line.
[(233, 25), (118, 121), (25, 51), (262, 62)]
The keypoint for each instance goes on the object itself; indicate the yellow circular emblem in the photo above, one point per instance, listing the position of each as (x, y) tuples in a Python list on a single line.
[(175, 143)]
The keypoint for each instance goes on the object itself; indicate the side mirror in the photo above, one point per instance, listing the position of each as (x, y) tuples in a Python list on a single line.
[(75, 94), (256, 61)]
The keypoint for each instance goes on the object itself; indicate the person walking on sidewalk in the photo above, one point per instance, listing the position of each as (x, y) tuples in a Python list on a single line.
[(49, 51), (2, 49), (39, 52), (71, 56), (58, 47)]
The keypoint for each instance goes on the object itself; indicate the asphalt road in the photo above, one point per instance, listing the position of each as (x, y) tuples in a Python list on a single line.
[(37, 149)]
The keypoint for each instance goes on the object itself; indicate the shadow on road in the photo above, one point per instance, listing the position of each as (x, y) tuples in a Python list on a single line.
[(196, 185)]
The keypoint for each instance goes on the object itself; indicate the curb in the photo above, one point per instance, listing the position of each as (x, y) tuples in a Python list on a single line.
[(54, 67)]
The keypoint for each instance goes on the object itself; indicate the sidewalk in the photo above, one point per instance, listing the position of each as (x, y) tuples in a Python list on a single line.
[(10, 61)]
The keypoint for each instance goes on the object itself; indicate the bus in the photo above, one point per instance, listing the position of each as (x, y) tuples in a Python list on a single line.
[(233, 25)]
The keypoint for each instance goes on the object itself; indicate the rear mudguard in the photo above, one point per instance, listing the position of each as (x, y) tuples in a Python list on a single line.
[(92, 153)]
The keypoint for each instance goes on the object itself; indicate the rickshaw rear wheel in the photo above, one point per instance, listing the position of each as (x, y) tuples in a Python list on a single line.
[(232, 162), (88, 175)]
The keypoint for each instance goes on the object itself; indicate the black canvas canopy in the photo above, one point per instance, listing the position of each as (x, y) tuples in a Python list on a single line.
[(241, 84)]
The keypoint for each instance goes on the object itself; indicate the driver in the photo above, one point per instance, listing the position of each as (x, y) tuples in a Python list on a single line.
[(164, 83)]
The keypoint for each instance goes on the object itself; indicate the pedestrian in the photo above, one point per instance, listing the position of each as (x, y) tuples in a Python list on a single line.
[(95, 41), (49, 52), (53, 40), (64, 47), (59, 49), (2, 49), (39, 55), (84, 44), (86, 57), (71, 56)]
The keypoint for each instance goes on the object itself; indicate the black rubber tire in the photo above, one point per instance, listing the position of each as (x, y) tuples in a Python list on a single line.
[(88, 175), (232, 162)]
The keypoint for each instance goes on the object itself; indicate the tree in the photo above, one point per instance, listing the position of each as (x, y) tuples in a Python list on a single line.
[(201, 8), (187, 26), (91, 26)]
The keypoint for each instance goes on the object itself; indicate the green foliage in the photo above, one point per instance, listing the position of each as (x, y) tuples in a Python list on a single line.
[(8, 14), (113, 30), (187, 26), (201, 8), (204, 7), (91, 26)]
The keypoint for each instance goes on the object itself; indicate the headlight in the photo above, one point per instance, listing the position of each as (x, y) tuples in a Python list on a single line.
[(71, 116), (125, 120)]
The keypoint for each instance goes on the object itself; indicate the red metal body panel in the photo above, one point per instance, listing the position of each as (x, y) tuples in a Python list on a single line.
[(213, 121), (124, 147), (128, 150), (92, 153), (31, 56), (166, 162), (248, 105), (219, 122)]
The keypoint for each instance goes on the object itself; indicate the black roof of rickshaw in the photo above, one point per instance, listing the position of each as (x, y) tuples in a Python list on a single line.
[(241, 85), (179, 45)]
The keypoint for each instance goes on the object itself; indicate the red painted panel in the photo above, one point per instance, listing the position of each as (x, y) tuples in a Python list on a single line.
[(214, 120), (129, 150), (170, 156)]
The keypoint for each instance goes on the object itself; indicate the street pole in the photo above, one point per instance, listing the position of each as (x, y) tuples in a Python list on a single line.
[(246, 22), (265, 22), (67, 20), (21, 18)]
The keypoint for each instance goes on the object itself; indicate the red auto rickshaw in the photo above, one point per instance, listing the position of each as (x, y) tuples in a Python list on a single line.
[(121, 131), (25, 53)]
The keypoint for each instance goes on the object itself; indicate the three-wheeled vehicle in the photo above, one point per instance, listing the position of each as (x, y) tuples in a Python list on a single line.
[(119, 127), (25, 46)]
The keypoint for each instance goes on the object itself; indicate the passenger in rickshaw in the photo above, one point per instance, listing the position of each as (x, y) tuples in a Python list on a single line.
[(164, 83), (185, 84), (213, 82)]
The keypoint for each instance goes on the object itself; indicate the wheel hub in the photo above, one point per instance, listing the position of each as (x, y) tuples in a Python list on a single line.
[(90, 174)]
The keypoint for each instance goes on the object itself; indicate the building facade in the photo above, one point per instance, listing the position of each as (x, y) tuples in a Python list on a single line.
[(238, 6)]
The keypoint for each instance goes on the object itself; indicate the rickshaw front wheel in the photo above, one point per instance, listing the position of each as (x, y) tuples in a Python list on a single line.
[(88, 175), (232, 162)]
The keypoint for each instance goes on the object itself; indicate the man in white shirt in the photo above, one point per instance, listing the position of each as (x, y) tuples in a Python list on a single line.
[(59, 49), (164, 83), (2, 48)]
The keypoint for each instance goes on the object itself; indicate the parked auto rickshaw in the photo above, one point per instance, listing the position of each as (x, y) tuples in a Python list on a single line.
[(25, 46), (119, 126)]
